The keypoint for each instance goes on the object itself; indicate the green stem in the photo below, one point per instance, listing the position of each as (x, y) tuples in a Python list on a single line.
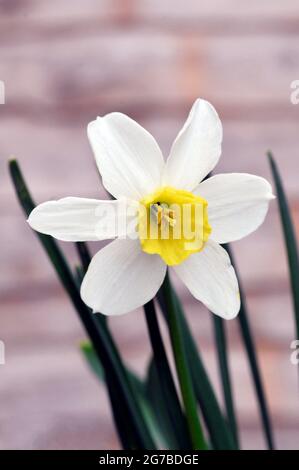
[(221, 344), (195, 430), (220, 434)]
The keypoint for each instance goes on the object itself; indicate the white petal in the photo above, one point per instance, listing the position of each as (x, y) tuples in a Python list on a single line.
[(128, 157), (197, 148), (211, 279), (121, 277), (237, 204), (80, 219)]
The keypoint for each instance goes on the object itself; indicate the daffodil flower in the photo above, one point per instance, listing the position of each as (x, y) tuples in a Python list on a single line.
[(128, 272)]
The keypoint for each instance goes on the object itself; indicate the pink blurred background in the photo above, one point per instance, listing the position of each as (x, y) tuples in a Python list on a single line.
[(64, 62)]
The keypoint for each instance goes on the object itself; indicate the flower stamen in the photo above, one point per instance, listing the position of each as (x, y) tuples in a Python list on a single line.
[(162, 213)]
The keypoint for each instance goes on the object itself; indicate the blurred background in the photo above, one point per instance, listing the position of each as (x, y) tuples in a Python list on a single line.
[(65, 62)]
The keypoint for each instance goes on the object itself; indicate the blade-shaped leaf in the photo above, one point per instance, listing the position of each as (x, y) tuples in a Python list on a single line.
[(247, 337), (155, 397), (92, 360), (84, 254), (161, 377), (119, 413), (289, 237), (221, 345), (95, 327), (140, 389)]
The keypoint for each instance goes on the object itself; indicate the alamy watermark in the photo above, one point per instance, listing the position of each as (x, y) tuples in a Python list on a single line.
[(2, 353), (2, 92), (157, 221), (294, 356), (294, 96)]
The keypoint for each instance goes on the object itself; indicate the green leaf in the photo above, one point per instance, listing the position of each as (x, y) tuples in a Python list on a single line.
[(161, 385), (84, 254), (289, 237), (155, 397), (221, 345), (247, 337), (118, 382), (92, 360), (219, 432), (119, 414), (182, 366), (140, 390), (97, 368)]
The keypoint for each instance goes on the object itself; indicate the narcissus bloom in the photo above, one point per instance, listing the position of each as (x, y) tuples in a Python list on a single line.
[(163, 214)]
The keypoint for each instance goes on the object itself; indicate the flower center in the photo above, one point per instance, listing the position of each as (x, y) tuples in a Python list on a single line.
[(173, 223)]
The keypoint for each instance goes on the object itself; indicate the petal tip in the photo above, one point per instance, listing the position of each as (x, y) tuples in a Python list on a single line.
[(31, 219), (231, 314), (236, 312)]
